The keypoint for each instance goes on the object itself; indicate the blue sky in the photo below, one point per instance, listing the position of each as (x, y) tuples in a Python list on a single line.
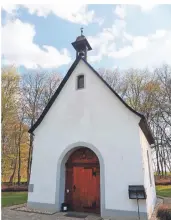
[(124, 36)]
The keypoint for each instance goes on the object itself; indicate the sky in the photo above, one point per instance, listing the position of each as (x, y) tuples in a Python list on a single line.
[(121, 36)]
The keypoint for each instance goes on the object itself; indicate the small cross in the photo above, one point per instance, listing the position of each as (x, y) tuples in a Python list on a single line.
[(81, 30)]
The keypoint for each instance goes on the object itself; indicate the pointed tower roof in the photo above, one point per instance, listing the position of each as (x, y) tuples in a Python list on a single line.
[(81, 45)]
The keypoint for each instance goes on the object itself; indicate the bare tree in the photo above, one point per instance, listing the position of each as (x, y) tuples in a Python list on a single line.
[(37, 89), (148, 92)]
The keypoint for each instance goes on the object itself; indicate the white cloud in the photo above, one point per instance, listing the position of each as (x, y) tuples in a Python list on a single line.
[(10, 9), (148, 51), (125, 51), (100, 45), (120, 11), (76, 13), (147, 6), (157, 52), (18, 48), (139, 43), (103, 43), (158, 34), (151, 49)]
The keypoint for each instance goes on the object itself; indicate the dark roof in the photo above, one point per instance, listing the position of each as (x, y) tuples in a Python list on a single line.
[(82, 37), (81, 41), (143, 124)]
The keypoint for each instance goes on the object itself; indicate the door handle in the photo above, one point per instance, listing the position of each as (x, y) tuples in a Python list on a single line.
[(74, 188)]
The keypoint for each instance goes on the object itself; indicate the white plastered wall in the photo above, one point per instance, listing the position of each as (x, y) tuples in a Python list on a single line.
[(150, 187), (92, 115)]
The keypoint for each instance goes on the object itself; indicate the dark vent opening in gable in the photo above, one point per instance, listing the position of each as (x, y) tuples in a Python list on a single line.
[(80, 82)]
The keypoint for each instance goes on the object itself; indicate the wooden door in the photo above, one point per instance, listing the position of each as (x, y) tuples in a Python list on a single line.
[(86, 190), (83, 182)]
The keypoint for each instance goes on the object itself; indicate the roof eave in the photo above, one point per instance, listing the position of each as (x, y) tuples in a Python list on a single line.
[(146, 130)]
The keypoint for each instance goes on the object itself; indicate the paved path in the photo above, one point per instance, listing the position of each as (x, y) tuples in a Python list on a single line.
[(160, 200), (167, 201), (158, 203), (9, 214)]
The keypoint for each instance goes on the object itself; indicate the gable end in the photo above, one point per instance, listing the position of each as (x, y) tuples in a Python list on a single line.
[(143, 124)]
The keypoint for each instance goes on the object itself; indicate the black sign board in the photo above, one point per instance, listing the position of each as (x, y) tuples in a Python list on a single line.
[(137, 192)]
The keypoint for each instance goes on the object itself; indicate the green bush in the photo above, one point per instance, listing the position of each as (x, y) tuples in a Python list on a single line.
[(164, 213)]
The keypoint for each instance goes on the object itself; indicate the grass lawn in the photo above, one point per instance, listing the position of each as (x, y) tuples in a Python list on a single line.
[(13, 198), (164, 191)]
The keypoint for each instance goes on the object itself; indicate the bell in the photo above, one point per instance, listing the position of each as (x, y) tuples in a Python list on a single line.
[(81, 54)]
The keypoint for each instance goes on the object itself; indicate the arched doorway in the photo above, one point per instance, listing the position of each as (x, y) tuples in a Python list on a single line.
[(82, 181)]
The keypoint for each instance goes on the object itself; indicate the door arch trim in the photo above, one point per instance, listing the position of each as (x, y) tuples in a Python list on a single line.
[(81, 169)]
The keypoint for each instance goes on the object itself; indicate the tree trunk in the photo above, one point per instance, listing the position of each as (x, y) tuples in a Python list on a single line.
[(157, 158), (13, 173), (19, 165), (29, 159), (19, 155), (15, 165)]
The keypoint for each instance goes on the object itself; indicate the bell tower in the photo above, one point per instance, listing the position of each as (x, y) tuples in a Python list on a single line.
[(81, 45)]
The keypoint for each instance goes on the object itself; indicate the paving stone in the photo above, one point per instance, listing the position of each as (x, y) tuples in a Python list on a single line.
[(9, 213)]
